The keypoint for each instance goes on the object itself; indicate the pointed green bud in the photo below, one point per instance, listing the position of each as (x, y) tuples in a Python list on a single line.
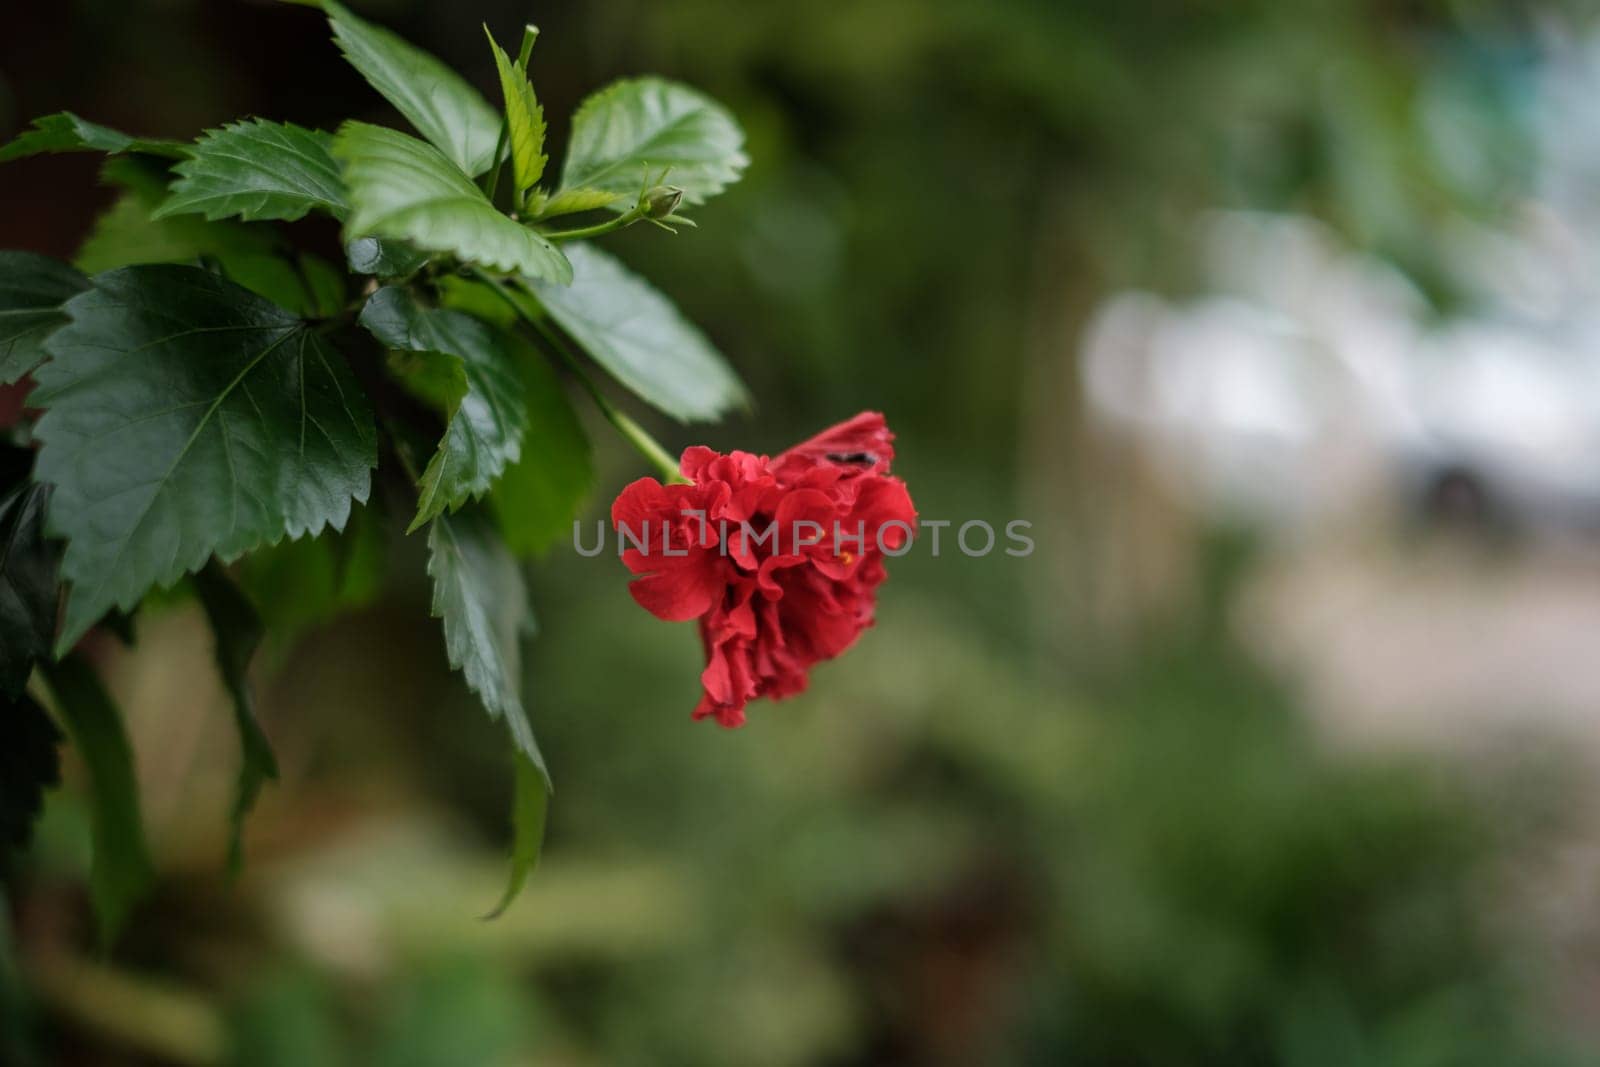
[(661, 201)]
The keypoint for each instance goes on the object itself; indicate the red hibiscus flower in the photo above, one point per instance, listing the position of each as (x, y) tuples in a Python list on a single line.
[(780, 559)]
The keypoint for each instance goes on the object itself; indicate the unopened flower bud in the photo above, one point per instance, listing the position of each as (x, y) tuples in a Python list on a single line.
[(662, 200)]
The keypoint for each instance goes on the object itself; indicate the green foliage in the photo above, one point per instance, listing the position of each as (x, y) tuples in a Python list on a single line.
[(432, 97), (479, 593), (524, 121), (66, 132), (32, 290), (486, 411), (635, 333), (29, 764), (237, 631), (401, 188), (257, 170), (639, 126), (121, 873), (198, 410), (235, 426)]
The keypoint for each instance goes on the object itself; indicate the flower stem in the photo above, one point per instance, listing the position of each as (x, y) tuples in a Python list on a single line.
[(622, 221), (631, 431)]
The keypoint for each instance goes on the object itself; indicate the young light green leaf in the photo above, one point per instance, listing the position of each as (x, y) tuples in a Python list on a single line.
[(637, 126), (32, 290), (574, 201), (237, 630), (402, 188), (537, 497), (530, 805), (478, 592), (120, 873), (126, 235), (433, 98), (29, 764), (635, 333), (524, 120), (185, 416), (66, 132), (28, 586), (486, 423), (257, 170)]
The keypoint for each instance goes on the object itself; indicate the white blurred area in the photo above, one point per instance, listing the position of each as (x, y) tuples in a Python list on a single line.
[(1312, 393)]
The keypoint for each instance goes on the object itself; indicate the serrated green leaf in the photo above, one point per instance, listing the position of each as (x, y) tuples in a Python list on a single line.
[(486, 422), (637, 126), (479, 593), (250, 255), (120, 873), (385, 259), (530, 806), (237, 630), (574, 201), (32, 290), (257, 170), (635, 332), (29, 588), (524, 121), (185, 416), (433, 98), (401, 188), (29, 764), (66, 132)]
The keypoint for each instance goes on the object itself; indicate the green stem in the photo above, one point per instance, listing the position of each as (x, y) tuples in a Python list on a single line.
[(631, 431), (622, 221)]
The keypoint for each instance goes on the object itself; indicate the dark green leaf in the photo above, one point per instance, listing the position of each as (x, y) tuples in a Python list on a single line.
[(66, 132), (530, 805), (257, 170), (237, 630), (185, 416), (120, 874), (432, 97), (401, 188), (479, 593), (28, 586), (486, 423), (524, 121), (386, 259), (29, 764), (32, 290), (325, 285), (635, 332), (298, 584), (537, 497), (626, 133)]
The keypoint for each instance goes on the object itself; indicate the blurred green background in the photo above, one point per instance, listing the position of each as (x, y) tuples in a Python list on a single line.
[(1066, 809)]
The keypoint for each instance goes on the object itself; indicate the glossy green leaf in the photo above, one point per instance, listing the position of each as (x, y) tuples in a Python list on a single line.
[(632, 129), (530, 806), (66, 132), (385, 259), (237, 631), (30, 763), (486, 423), (636, 333), (120, 874), (479, 593), (257, 170), (401, 188), (433, 98), (29, 590), (524, 120), (32, 290), (185, 416)]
